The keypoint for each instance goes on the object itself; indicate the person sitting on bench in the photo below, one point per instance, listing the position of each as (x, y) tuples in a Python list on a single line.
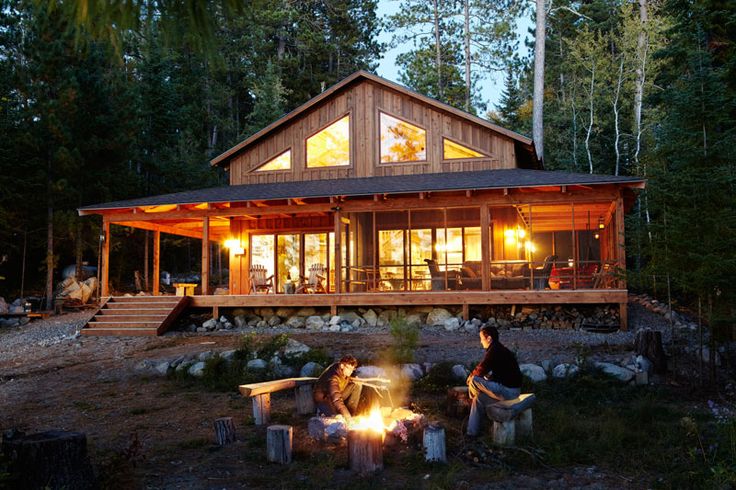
[(335, 392), (496, 377)]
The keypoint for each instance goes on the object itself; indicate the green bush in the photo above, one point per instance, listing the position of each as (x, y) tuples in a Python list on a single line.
[(439, 378), (405, 340)]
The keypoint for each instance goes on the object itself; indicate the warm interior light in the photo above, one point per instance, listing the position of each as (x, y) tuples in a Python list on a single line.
[(597, 236), (569, 262), (530, 246), (521, 232), (235, 247), (509, 233), (601, 224)]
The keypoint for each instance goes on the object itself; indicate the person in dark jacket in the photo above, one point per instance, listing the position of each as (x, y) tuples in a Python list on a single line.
[(335, 393), (496, 377)]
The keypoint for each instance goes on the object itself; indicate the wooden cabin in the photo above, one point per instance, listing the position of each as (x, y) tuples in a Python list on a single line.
[(376, 195)]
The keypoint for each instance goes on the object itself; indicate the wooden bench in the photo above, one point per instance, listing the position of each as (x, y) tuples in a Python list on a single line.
[(185, 288), (260, 394), (511, 418)]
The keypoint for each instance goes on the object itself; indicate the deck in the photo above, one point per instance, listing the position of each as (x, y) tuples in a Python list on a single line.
[(466, 299)]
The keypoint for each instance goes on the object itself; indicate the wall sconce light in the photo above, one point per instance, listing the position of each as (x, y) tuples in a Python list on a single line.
[(597, 235), (601, 224), (235, 247), (570, 262)]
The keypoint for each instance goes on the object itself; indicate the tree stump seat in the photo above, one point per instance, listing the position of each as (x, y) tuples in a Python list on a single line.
[(260, 394), (511, 418)]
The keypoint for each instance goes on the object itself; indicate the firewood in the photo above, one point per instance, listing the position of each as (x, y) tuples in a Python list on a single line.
[(434, 444), (279, 443), (365, 450), (224, 431)]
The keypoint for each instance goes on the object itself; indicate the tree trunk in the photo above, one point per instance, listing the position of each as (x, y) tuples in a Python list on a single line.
[(49, 246), (648, 343), (365, 450), (438, 49), (590, 122), (278, 443), (538, 100), (434, 444), (466, 6), (642, 48), (616, 111), (52, 459), (224, 431), (78, 247)]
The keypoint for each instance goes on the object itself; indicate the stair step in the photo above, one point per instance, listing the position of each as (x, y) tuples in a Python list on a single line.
[(129, 317), (135, 311), (115, 324), (133, 306), (143, 299), (119, 331)]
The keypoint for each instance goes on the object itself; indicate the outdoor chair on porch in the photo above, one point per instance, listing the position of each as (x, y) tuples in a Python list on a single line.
[(541, 275), (259, 283), (438, 277), (313, 282)]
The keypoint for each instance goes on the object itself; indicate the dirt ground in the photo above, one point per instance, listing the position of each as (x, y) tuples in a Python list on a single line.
[(147, 431)]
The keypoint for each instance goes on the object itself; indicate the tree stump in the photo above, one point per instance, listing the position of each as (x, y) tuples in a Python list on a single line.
[(224, 431), (278, 443), (458, 402), (434, 444), (52, 459), (648, 343), (365, 450), (524, 424), (504, 433), (304, 400), (262, 408)]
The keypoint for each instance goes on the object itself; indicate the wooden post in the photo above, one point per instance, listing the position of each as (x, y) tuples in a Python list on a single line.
[(224, 431), (620, 241), (338, 254), (524, 427), (205, 255), (466, 312), (434, 444), (623, 314), (105, 277), (304, 400), (365, 450), (504, 433), (262, 408), (485, 247), (156, 262), (278, 443)]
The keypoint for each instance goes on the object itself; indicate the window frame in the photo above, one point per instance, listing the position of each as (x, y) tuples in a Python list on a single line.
[(380, 111), (351, 156), (484, 154)]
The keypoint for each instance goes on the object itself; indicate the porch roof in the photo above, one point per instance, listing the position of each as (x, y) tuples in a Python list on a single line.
[(399, 184)]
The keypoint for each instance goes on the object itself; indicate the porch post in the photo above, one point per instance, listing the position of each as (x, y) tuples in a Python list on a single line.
[(205, 255), (485, 249), (338, 254), (105, 263), (621, 259), (156, 262)]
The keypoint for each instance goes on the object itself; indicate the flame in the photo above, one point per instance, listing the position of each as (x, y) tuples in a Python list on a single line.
[(372, 421)]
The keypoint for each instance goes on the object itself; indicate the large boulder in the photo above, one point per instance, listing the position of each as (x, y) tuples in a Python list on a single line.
[(535, 373), (385, 317), (412, 371), (452, 324), (294, 348), (284, 312), (210, 324), (414, 320), (196, 369), (369, 371), (565, 370), (460, 372), (311, 370), (618, 372), (370, 318), (314, 323), (295, 322), (438, 316)]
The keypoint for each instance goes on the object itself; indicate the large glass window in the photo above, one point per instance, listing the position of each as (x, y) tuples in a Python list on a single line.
[(281, 162), (331, 146), (455, 151), (287, 260), (262, 252), (401, 141)]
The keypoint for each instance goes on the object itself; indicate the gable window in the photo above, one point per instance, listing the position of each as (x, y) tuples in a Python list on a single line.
[(401, 141), (455, 151), (280, 162), (331, 146)]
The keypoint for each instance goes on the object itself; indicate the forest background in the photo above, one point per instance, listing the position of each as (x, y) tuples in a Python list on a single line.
[(102, 101)]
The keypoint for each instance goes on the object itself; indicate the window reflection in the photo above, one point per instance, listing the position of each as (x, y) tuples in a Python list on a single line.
[(401, 141), (454, 151), (281, 162), (331, 146)]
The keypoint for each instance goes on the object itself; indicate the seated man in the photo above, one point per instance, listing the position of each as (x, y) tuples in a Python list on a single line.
[(335, 392), (497, 377)]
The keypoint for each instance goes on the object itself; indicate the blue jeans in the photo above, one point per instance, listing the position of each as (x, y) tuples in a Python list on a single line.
[(483, 393)]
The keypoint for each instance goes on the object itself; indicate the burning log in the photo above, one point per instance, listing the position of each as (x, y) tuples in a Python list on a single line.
[(365, 450), (434, 444), (224, 431), (278, 443)]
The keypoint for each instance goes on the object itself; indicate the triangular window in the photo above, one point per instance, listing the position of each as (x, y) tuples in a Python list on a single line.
[(331, 146), (456, 151), (280, 162), (401, 141)]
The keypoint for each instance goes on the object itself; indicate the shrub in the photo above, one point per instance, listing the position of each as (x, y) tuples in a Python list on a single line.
[(405, 340), (439, 378)]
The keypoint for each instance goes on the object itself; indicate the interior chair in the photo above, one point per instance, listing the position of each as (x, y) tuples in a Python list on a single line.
[(259, 283), (541, 275), (438, 277), (313, 282)]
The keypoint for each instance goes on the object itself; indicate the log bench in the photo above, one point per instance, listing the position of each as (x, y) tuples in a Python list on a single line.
[(511, 418), (260, 394)]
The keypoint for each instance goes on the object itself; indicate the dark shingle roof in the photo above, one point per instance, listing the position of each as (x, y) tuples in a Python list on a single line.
[(483, 179)]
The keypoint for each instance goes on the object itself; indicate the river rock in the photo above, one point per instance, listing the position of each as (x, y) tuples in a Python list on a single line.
[(370, 318), (227, 355), (274, 320), (369, 371), (294, 348), (314, 323), (452, 324), (295, 322), (284, 312), (311, 370), (306, 311), (210, 324), (257, 364), (618, 372), (412, 371), (533, 372), (414, 320), (196, 369), (204, 356), (348, 316), (438, 316), (162, 368), (565, 370), (460, 372)]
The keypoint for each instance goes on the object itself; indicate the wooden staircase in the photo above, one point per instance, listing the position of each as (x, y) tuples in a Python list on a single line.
[(135, 315)]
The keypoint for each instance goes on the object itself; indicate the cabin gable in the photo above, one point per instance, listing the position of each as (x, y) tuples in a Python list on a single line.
[(363, 101)]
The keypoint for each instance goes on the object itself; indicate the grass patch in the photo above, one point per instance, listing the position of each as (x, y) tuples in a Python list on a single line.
[(195, 443)]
